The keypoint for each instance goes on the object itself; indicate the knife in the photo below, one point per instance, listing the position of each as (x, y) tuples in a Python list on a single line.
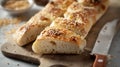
[(103, 42)]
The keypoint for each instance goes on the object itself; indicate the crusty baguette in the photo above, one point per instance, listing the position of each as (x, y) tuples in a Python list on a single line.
[(37, 23), (79, 17), (58, 40)]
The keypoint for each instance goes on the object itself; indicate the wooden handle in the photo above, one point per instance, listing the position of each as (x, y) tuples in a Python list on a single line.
[(100, 61)]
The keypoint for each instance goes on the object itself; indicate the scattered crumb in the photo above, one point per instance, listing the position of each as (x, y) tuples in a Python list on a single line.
[(98, 41), (18, 65), (105, 28), (14, 45), (31, 53), (15, 20), (70, 64), (6, 48), (109, 63), (11, 31), (110, 57), (8, 63)]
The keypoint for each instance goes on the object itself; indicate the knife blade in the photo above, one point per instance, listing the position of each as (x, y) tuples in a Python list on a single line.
[(103, 42)]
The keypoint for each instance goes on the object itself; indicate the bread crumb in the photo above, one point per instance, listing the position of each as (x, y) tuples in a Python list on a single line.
[(18, 65), (98, 41), (11, 31), (6, 47), (15, 20), (8, 63), (15, 51)]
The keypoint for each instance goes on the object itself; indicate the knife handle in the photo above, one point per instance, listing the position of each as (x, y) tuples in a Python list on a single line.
[(100, 61)]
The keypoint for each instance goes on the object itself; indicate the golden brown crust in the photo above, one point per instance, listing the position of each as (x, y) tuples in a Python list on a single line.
[(100, 5), (52, 10), (81, 13), (67, 22), (43, 20), (74, 7), (63, 3), (56, 8), (59, 34), (77, 27)]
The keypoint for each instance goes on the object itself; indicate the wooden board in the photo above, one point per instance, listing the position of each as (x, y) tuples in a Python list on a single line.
[(10, 49)]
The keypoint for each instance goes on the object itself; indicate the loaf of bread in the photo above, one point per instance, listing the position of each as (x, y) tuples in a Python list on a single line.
[(67, 34), (29, 31), (58, 40)]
